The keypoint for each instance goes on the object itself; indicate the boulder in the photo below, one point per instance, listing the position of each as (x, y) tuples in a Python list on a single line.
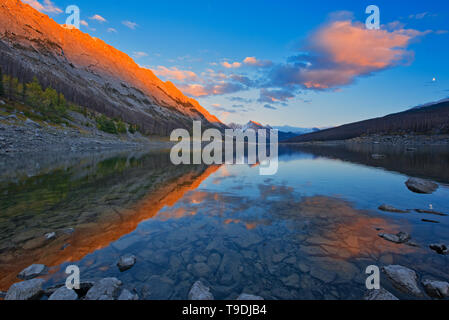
[(26, 290), (439, 248), (388, 208), (404, 279), (105, 289), (200, 292), (126, 262), (436, 289), (421, 186), (32, 271), (248, 297), (127, 295), (64, 293), (401, 237), (380, 294)]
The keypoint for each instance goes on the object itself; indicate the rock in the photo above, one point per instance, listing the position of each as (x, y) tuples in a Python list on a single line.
[(380, 294), (126, 262), (31, 123), (430, 221), (377, 156), (401, 237), (421, 186), (26, 290), (158, 288), (292, 281), (105, 289), (324, 275), (50, 235), (214, 261), (2, 295), (201, 270), (403, 278), (387, 208), (436, 289), (431, 212), (127, 295), (200, 292), (2, 102), (439, 248), (32, 271), (64, 293), (248, 297)]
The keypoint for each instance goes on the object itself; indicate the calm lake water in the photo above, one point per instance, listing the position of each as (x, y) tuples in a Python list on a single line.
[(308, 232)]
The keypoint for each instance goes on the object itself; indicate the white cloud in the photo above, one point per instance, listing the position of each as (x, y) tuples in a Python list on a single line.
[(129, 24), (98, 18), (139, 54), (174, 73), (112, 30)]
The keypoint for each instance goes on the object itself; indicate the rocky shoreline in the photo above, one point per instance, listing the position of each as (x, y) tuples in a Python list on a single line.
[(410, 140), (21, 135)]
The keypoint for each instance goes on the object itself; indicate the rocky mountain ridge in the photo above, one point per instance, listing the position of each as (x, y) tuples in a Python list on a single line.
[(91, 73)]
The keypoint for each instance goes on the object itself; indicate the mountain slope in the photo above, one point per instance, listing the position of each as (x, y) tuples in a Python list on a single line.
[(92, 73), (432, 119)]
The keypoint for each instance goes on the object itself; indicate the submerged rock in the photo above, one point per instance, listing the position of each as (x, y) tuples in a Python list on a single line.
[(431, 212), (439, 248), (26, 290), (127, 295), (421, 186), (200, 292), (436, 289), (401, 237), (388, 208), (64, 293), (126, 262), (32, 271), (403, 278), (50, 235), (380, 294), (105, 289), (248, 297)]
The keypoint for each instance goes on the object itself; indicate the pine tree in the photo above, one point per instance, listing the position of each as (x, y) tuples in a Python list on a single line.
[(2, 89)]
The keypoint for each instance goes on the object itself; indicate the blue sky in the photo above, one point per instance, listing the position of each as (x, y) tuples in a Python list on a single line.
[(300, 69)]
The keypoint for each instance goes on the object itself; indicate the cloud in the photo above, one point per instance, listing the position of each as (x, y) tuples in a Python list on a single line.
[(267, 106), (228, 65), (112, 30), (129, 24), (47, 7), (139, 54), (422, 15), (252, 61), (84, 23), (200, 90), (98, 18), (341, 51), (240, 99), (275, 96), (174, 73)]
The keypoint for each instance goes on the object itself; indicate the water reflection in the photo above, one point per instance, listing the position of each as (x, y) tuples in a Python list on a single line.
[(306, 233)]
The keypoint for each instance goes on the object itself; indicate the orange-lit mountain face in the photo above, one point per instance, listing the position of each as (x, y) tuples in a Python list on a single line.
[(92, 73)]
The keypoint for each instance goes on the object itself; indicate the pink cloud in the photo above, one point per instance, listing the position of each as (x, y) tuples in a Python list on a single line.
[(341, 51), (48, 6), (253, 61), (175, 74), (231, 65)]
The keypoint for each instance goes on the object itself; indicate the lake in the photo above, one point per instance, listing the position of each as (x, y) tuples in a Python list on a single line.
[(308, 232)]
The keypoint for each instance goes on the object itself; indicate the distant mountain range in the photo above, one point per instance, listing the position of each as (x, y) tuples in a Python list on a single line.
[(91, 73), (284, 132), (431, 118)]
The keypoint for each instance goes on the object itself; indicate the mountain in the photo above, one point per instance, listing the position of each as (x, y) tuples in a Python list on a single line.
[(296, 130), (91, 73), (282, 136), (430, 119)]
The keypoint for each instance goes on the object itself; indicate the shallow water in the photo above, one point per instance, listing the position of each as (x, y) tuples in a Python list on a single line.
[(308, 232)]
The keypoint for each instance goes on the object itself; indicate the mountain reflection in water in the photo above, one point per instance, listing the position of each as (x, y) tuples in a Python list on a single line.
[(308, 232)]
